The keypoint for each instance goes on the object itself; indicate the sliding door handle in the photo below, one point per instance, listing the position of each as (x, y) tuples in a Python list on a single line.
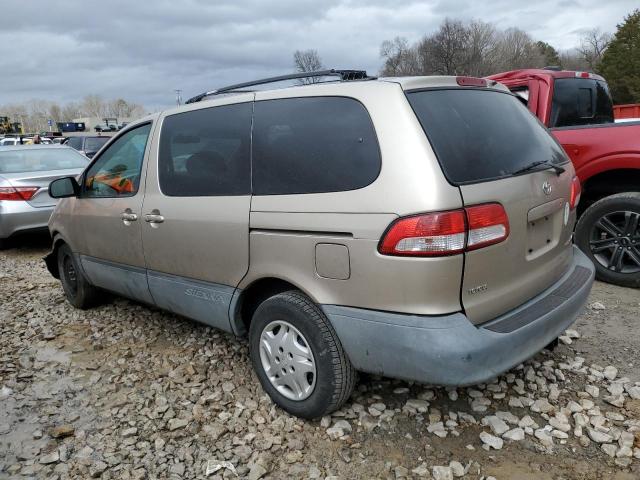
[(154, 217)]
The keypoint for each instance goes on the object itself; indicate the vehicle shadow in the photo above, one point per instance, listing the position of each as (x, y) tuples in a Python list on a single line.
[(29, 242)]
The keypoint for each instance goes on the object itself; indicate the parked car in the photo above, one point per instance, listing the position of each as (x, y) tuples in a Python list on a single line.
[(25, 173), (88, 146), (403, 227), (578, 109)]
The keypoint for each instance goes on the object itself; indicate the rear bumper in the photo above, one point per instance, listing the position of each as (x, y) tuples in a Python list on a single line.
[(17, 216), (450, 350)]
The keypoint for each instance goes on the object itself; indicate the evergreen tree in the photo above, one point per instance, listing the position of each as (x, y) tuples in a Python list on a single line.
[(550, 54), (621, 61)]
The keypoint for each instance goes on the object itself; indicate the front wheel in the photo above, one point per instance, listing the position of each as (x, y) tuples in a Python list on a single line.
[(609, 233), (79, 292), (298, 357)]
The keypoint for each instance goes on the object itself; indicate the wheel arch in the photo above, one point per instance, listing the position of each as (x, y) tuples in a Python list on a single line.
[(609, 182), (51, 259), (246, 300)]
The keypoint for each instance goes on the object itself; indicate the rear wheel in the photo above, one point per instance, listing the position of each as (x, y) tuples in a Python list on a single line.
[(298, 356), (77, 289), (609, 233)]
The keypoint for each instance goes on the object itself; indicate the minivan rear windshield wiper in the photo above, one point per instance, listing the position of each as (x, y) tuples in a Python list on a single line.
[(557, 168)]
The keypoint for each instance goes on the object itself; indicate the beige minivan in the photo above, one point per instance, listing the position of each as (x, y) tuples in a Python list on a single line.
[(418, 228)]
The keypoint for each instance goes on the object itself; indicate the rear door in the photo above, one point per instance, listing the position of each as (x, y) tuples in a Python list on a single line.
[(196, 209), (484, 141)]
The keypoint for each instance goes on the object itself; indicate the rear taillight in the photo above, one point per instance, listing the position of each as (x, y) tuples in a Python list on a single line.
[(433, 234), (17, 193), (446, 233), (576, 191), (488, 224)]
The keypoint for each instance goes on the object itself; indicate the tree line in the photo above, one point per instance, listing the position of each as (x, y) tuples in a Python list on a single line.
[(35, 113), (479, 49)]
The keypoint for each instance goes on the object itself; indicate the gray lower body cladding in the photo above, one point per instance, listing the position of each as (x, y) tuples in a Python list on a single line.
[(450, 350)]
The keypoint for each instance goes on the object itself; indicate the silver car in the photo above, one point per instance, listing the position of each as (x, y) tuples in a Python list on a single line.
[(25, 174), (418, 228)]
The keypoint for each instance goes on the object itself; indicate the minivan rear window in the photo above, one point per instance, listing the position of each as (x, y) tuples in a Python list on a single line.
[(480, 135)]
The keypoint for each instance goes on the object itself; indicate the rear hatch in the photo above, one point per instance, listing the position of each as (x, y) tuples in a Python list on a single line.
[(492, 148)]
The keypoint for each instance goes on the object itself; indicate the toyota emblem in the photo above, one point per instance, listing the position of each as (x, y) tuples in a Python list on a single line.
[(547, 188)]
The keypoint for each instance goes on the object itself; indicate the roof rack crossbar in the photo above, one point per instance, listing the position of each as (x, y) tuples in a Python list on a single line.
[(345, 75)]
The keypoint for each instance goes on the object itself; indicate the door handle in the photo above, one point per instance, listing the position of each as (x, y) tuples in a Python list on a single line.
[(128, 216), (154, 217)]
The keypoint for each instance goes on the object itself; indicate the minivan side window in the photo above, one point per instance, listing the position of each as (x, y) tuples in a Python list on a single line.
[(313, 145), (206, 152), (116, 173)]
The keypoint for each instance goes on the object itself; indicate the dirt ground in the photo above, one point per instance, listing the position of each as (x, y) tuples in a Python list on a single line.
[(127, 391)]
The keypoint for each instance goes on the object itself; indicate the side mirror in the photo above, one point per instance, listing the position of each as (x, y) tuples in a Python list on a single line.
[(64, 187)]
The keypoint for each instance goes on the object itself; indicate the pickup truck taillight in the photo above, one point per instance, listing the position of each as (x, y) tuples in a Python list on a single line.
[(576, 191), (17, 193), (446, 233)]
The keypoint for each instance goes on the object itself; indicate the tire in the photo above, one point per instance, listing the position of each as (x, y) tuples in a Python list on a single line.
[(334, 377), (76, 288), (5, 243), (609, 233)]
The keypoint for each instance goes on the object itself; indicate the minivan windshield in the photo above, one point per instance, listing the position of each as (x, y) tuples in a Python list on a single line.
[(480, 135)]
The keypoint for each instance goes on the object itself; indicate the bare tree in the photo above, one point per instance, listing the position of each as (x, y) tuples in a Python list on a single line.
[(307, 61), (573, 60), (70, 111), (592, 46), (33, 114), (445, 52), (55, 112), (482, 49), (456, 48), (399, 58), (518, 50), (93, 106)]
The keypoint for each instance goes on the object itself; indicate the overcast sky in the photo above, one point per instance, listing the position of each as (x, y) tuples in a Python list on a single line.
[(143, 50)]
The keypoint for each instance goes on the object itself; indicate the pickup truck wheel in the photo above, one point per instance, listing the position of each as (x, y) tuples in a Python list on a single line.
[(298, 357), (76, 288), (609, 233)]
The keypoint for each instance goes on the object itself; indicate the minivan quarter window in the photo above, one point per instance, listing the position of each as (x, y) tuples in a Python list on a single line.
[(206, 152), (116, 173), (313, 145)]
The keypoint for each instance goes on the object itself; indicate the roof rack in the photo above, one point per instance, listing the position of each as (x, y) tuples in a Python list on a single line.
[(345, 75)]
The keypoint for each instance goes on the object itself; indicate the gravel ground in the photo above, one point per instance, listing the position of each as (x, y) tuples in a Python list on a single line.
[(126, 391)]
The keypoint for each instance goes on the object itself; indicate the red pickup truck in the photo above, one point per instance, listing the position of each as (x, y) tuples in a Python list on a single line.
[(578, 110)]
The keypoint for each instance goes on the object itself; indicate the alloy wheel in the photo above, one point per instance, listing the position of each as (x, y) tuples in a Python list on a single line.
[(615, 241)]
